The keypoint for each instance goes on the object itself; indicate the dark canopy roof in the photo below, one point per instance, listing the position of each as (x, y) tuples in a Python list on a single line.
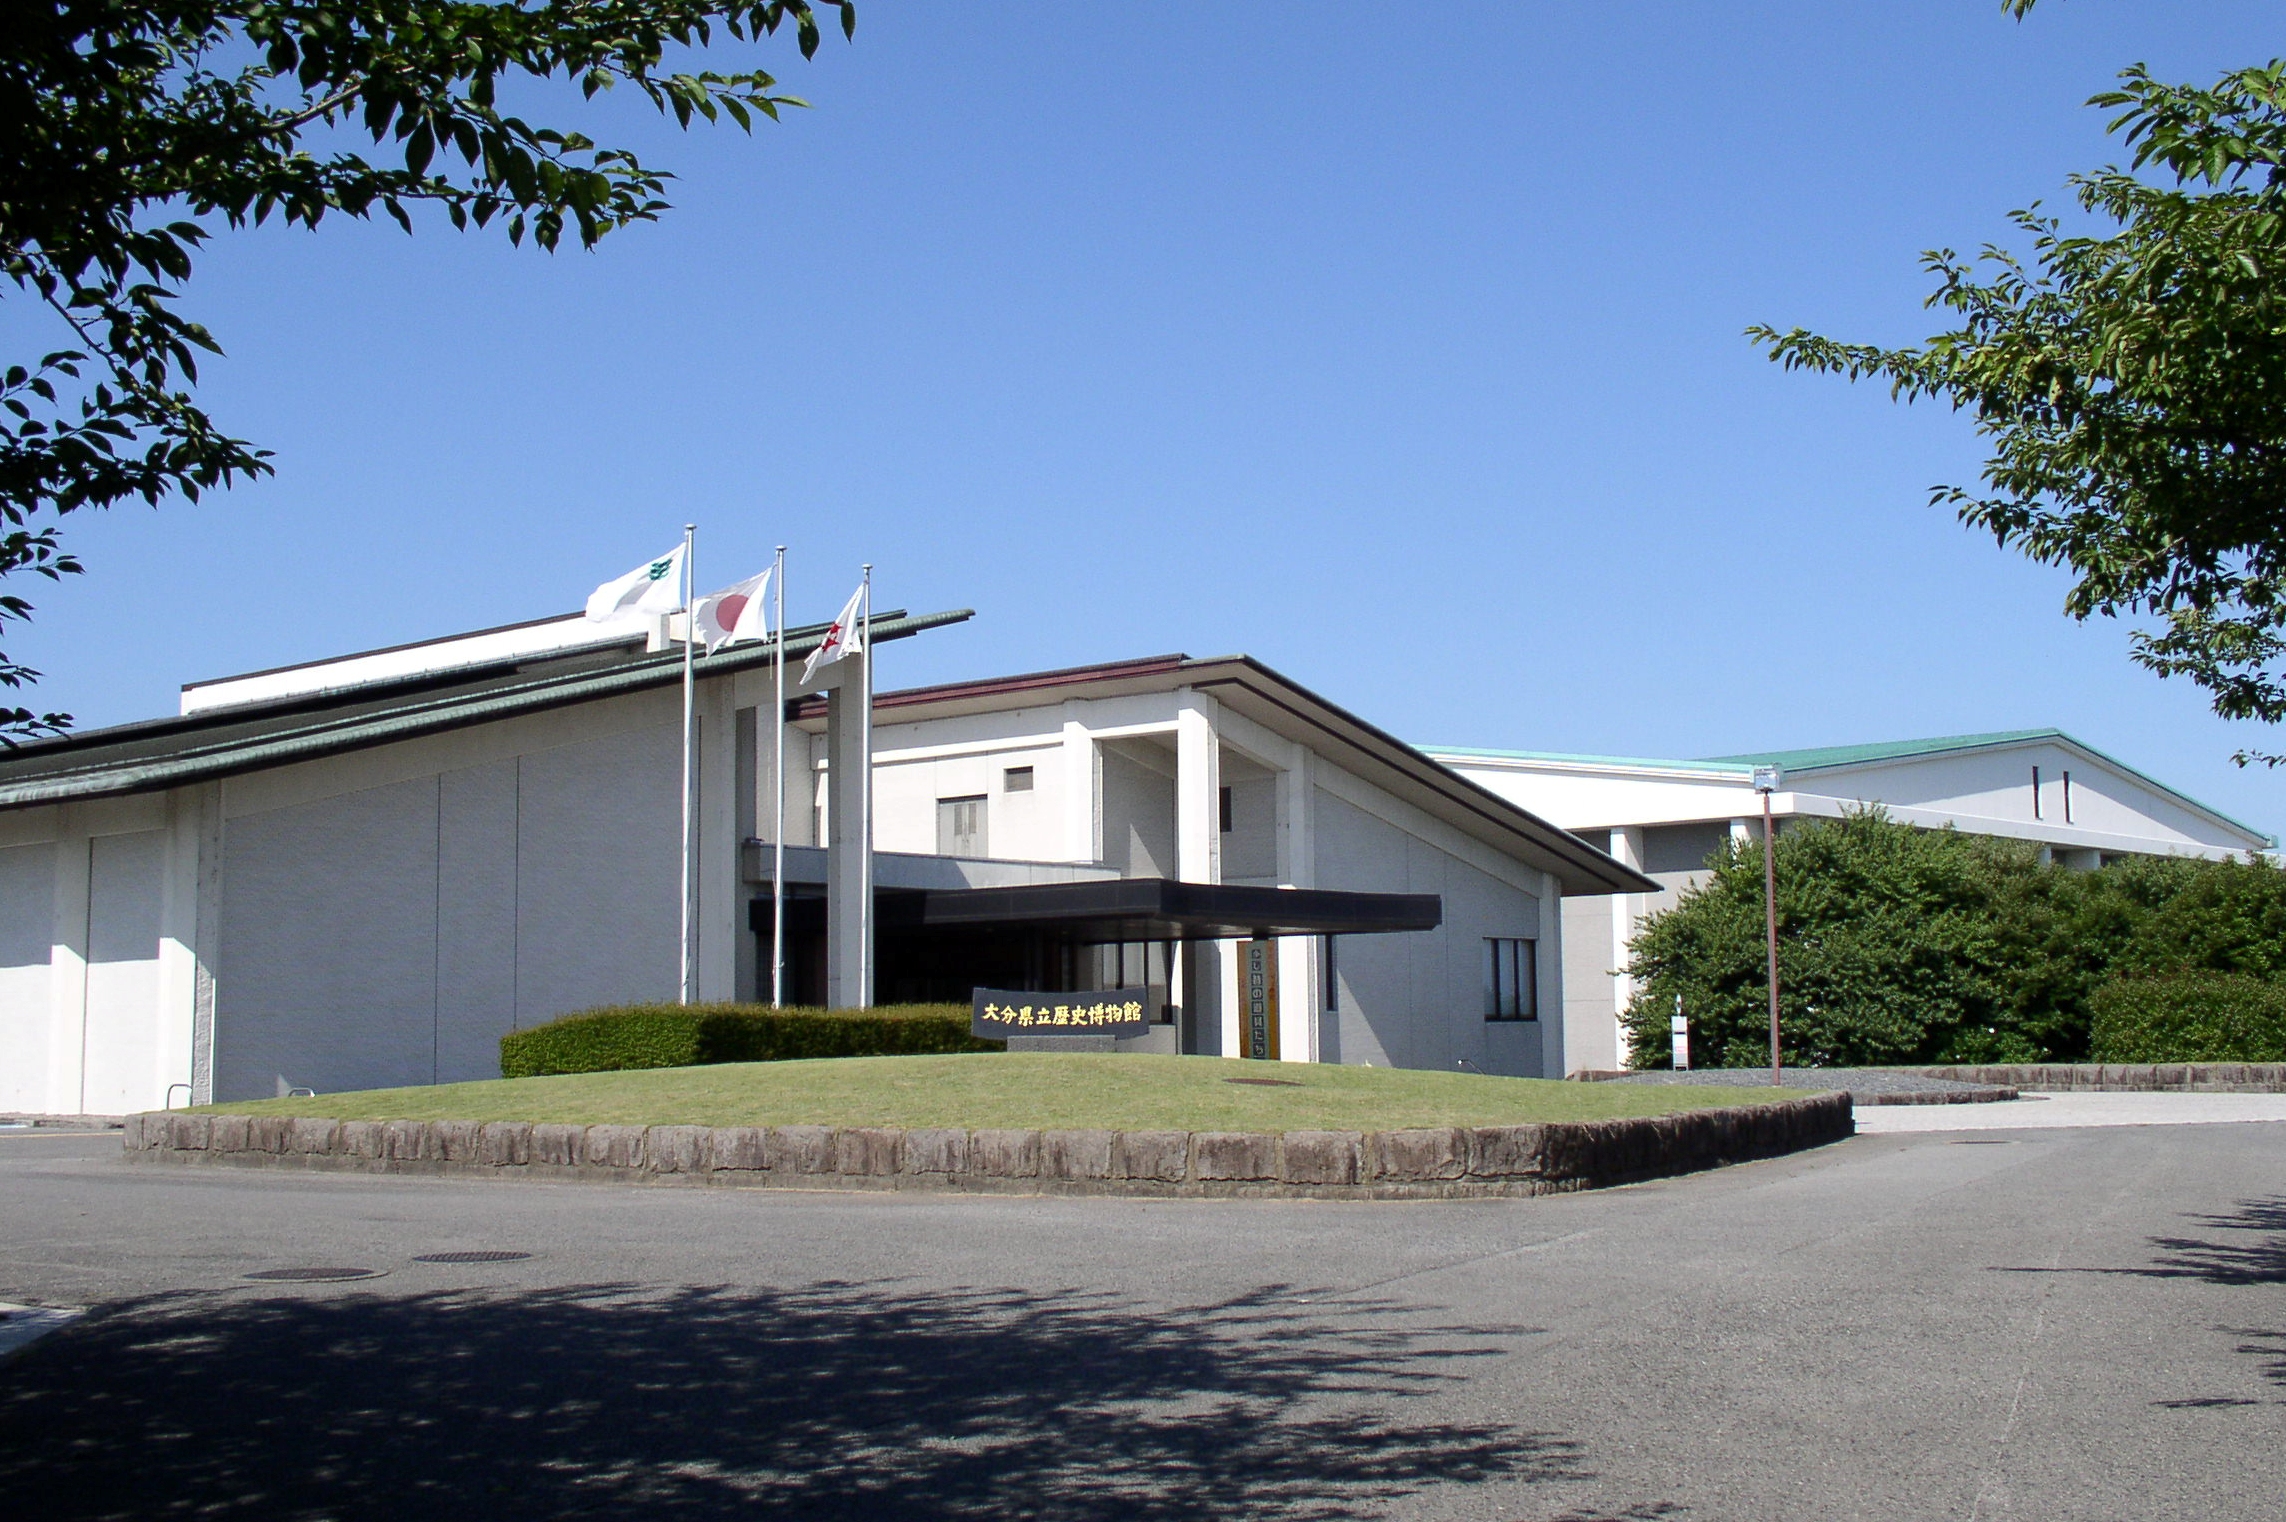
[(1156, 909)]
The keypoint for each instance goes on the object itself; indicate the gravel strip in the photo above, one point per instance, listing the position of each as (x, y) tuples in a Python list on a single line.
[(1864, 1085)]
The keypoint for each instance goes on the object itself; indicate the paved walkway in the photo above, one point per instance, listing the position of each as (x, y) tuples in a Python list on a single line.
[(2068, 1325), (2047, 1111)]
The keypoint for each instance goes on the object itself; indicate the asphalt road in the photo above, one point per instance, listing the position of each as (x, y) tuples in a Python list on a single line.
[(2053, 1324)]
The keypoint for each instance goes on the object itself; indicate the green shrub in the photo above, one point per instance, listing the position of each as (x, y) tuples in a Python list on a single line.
[(2190, 1017), (675, 1035), (1903, 945)]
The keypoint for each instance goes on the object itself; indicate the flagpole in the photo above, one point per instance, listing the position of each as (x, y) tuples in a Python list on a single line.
[(690, 714), (865, 799), (778, 827)]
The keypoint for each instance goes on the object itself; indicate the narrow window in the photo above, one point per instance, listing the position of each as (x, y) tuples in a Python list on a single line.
[(1511, 980), (2067, 797), (1226, 811), (1329, 975), (2035, 792), (1016, 779), (960, 826)]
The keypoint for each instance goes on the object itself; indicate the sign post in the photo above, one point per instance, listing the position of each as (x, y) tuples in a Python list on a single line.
[(1766, 780), (1679, 1031), (1260, 1035)]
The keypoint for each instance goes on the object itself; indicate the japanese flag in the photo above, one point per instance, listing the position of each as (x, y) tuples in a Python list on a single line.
[(734, 613), (844, 636), (655, 586)]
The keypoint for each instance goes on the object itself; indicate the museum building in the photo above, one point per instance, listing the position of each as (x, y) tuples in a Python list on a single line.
[(362, 872)]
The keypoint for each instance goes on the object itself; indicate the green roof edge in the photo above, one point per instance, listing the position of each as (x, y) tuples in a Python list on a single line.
[(1830, 757), (332, 736), (1581, 758)]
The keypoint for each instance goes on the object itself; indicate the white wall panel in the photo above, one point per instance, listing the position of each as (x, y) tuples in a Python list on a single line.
[(328, 945), (27, 930), (1417, 1000), (126, 889), (597, 875), (476, 919), (1138, 814)]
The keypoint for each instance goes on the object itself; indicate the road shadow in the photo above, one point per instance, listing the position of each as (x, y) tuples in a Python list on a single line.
[(2236, 1260), (2245, 1246), (830, 1401)]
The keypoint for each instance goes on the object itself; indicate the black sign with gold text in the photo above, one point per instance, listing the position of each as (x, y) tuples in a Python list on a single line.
[(1001, 1012)]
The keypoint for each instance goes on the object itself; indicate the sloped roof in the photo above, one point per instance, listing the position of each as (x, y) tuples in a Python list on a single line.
[(1279, 703), (1834, 757), (1818, 757), (1588, 759), (223, 742)]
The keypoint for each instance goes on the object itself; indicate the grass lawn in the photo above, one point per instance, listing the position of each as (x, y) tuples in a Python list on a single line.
[(1021, 1090)]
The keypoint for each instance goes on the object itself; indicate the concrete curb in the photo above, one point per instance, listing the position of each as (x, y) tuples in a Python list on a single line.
[(1981, 1094), (2124, 1077), (1435, 1163)]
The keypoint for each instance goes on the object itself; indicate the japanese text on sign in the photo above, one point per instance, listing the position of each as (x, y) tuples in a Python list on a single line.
[(1000, 1013)]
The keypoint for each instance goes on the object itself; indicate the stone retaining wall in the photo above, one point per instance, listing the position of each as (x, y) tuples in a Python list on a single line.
[(2126, 1077), (1438, 1163)]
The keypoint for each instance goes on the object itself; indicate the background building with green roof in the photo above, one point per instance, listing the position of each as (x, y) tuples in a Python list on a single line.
[(1667, 818)]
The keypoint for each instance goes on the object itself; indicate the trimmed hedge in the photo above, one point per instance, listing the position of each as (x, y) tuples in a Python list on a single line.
[(2190, 1017), (675, 1035)]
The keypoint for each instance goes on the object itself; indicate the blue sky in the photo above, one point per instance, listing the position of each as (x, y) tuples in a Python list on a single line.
[(1397, 347)]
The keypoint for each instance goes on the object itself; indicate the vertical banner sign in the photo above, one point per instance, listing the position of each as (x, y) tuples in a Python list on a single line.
[(1261, 975)]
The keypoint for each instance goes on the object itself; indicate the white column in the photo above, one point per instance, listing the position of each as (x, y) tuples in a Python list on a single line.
[(67, 970), (721, 920), (172, 1053), (1198, 790), (1626, 910), (848, 958), (1301, 1000), (208, 941), (1083, 822), (1551, 990), (1198, 859)]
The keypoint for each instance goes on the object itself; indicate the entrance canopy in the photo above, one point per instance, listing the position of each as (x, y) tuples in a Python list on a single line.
[(1156, 909)]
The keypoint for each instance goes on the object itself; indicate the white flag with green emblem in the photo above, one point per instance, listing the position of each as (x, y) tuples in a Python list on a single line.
[(655, 586)]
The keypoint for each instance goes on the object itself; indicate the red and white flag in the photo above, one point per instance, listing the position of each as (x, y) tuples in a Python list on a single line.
[(734, 613), (844, 636)]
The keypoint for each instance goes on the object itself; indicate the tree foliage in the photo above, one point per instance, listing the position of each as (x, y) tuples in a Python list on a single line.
[(2132, 383), (132, 127), (1900, 945)]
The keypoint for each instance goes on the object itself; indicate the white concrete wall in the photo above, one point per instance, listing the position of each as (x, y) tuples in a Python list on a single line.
[(1418, 1000), (1991, 792), (328, 975), (390, 934), (1155, 764), (1584, 795), (126, 891), (96, 934), (1983, 791), (1138, 808), (1020, 826), (27, 940)]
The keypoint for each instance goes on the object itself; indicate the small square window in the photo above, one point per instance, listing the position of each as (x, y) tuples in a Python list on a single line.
[(1016, 779)]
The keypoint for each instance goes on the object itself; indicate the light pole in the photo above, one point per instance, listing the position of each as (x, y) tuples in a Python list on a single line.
[(1766, 780)]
